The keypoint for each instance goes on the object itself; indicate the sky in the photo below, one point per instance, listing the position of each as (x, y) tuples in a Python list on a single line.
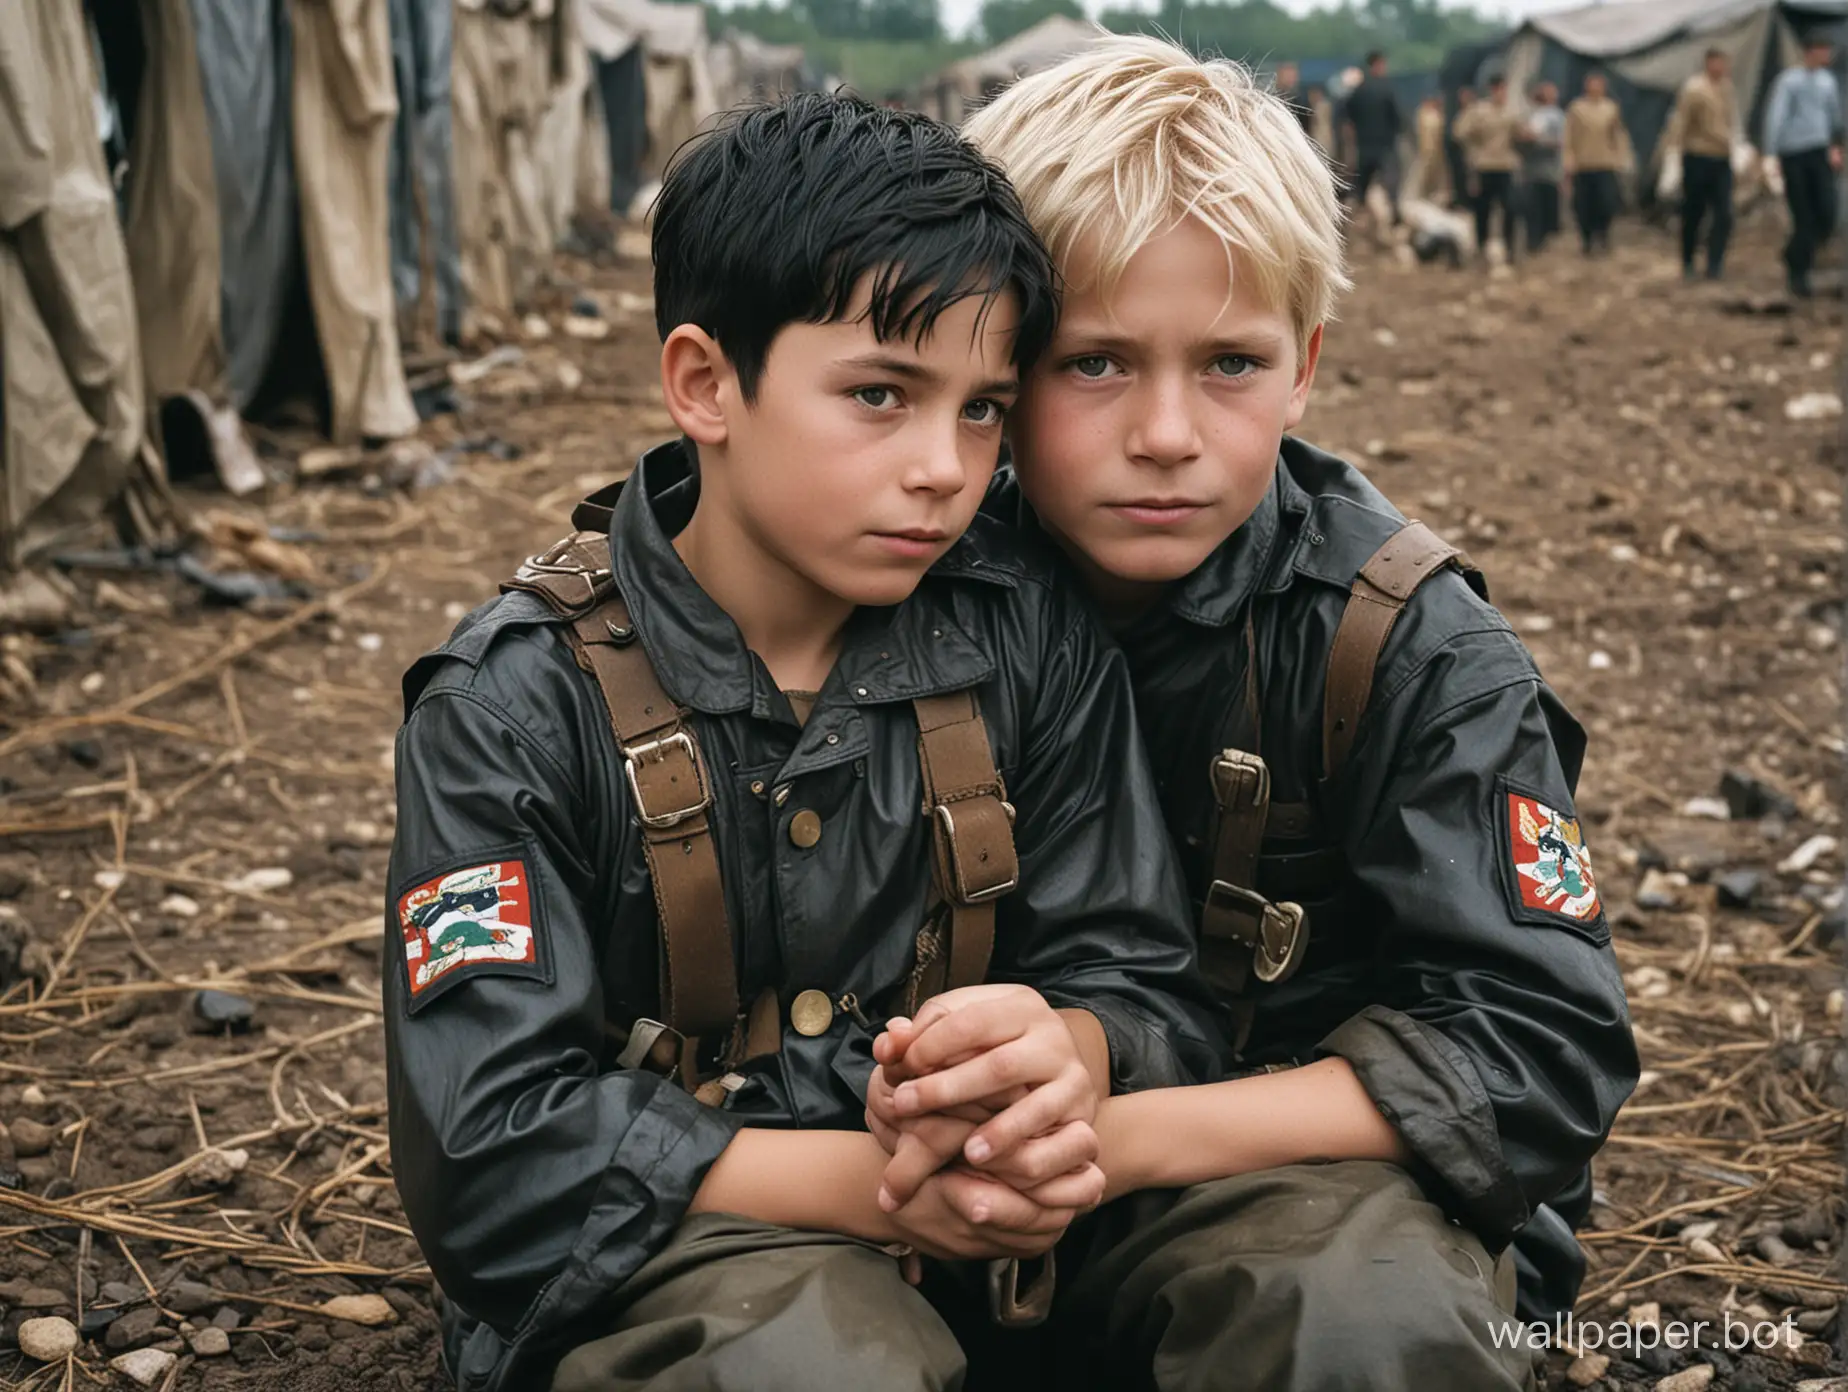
[(958, 15)]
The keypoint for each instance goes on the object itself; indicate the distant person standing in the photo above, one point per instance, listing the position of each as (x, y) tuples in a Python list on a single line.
[(1322, 123), (1289, 88), (1803, 133), (1597, 147), (1374, 125), (1543, 141), (1432, 181), (1462, 174), (1703, 125), (1488, 131)]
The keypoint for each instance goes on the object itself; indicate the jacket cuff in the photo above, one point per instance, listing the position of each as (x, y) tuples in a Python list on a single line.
[(647, 1188), (1428, 1089), (1142, 1054)]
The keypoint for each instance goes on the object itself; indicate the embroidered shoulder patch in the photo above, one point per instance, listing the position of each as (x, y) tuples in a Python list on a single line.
[(478, 917), (1552, 867)]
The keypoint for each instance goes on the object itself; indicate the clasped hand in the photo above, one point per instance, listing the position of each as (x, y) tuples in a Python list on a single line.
[(985, 1105)]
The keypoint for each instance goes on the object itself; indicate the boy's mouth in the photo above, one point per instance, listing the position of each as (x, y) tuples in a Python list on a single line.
[(1157, 512), (914, 541)]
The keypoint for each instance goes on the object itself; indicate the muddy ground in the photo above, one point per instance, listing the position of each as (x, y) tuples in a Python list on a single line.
[(198, 796)]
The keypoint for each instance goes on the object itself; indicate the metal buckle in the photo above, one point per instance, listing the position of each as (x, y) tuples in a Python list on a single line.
[(644, 1034), (545, 564), (1233, 761), (963, 893), (1282, 935), (1008, 1306), (658, 820)]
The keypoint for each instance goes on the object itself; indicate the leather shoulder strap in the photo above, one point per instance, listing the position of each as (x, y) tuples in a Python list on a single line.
[(972, 824), (669, 787), (1381, 591)]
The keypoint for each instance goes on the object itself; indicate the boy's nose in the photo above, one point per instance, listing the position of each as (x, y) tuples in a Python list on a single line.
[(938, 465), (1164, 432)]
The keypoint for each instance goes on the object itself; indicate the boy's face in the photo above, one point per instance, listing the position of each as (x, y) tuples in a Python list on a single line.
[(860, 463), (1149, 431)]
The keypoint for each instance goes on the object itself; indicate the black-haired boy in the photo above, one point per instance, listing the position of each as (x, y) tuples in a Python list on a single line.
[(684, 815)]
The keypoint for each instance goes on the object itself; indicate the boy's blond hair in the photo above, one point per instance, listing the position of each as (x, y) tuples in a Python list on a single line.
[(1114, 146)]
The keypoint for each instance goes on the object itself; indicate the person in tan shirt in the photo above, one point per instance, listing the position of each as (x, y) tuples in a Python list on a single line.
[(1597, 149), (1702, 127), (1433, 177), (1487, 131)]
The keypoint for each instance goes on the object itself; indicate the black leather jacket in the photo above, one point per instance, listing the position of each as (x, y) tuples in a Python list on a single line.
[(536, 1175), (1494, 1034)]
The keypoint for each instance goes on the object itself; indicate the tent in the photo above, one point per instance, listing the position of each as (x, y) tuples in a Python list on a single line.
[(965, 85), (1649, 48), (71, 397), (257, 215)]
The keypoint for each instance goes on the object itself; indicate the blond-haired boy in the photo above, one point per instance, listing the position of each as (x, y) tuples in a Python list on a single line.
[(1440, 1058)]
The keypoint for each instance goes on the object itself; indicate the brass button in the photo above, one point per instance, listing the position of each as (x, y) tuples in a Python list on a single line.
[(811, 1012), (805, 828)]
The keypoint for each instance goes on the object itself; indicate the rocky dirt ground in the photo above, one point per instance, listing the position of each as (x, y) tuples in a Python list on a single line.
[(196, 808)]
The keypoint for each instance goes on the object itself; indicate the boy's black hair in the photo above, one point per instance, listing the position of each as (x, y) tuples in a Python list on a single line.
[(777, 215)]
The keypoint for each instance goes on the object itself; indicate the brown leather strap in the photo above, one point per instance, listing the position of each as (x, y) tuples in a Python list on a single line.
[(972, 827), (1386, 582), (668, 786)]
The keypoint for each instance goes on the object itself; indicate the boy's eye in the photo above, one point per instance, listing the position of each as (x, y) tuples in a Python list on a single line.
[(1234, 365), (877, 398), (1093, 365), (984, 412)]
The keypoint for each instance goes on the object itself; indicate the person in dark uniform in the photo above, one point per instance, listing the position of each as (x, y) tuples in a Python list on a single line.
[(1372, 116), (748, 774), (1419, 1086), (1289, 89)]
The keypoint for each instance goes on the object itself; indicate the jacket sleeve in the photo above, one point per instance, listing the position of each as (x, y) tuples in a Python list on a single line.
[(1499, 1042), (534, 1181), (1100, 921)]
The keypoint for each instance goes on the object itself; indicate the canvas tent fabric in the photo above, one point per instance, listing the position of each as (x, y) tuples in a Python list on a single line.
[(961, 87), (422, 182), (345, 101), (71, 401)]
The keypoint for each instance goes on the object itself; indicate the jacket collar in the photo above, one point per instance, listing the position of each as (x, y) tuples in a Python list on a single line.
[(915, 648)]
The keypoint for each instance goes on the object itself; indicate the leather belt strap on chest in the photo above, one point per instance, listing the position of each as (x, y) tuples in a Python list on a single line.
[(972, 827), (1381, 591), (672, 797), (1243, 932)]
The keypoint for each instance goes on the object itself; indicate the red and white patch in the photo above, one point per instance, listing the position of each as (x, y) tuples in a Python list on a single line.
[(478, 916), (1551, 863)]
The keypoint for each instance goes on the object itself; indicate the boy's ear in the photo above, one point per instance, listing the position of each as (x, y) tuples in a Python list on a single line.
[(698, 384), (1305, 379)]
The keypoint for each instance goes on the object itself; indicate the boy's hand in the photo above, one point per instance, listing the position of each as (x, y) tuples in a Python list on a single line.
[(921, 1146), (979, 1045), (959, 1215)]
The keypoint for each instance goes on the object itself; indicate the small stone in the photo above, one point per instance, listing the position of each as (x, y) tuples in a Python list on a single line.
[(1586, 1369), (180, 906), (215, 1011), (1806, 855), (42, 1298), (216, 1169), (119, 1293), (1688, 1379), (144, 1367), (98, 1318), (32, 1096), (30, 1137), (48, 1339), (211, 1342), (369, 642), (1810, 1227), (1772, 1249), (1738, 888), (1816, 1321), (227, 1318), (189, 1297), (1748, 798), (1649, 1312), (159, 1139), (1705, 1228), (314, 1338), (1704, 1249), (1659, 890), (91, 684), (261, 881), (1714, 809), (369, 1310), (1830, 1384), (84, 753), (1599, 661), (132, 1329), (109, 879)]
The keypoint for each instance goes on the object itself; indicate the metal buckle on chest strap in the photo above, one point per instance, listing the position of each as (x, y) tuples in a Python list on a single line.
[(1282, 929), (964, 895), (659, 749), (549, 563), (654, 1046)]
